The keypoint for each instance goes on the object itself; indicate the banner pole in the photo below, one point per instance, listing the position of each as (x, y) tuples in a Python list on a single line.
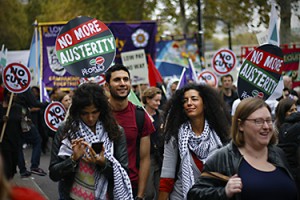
[(7, 114)]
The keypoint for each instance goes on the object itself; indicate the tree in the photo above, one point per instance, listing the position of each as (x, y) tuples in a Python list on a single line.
[(232, 13), (14, 32)]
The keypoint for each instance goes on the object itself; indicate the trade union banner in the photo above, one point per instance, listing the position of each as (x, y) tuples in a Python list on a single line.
[(128, 36)]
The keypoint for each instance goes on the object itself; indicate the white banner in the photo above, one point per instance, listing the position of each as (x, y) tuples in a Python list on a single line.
[(136, 63)]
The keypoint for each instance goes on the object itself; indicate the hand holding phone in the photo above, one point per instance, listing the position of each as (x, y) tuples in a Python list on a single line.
[(97, 147)]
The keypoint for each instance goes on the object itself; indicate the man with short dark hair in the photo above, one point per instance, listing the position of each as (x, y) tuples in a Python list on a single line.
[(119, 85), (227, 91)]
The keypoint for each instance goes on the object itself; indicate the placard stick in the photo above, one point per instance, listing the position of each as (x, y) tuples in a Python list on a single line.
[(7, 114)]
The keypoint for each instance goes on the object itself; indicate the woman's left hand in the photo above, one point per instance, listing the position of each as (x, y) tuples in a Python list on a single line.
[(92, 157)]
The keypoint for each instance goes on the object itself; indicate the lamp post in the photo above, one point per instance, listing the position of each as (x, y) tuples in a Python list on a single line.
[(200, 33), (229, 35)]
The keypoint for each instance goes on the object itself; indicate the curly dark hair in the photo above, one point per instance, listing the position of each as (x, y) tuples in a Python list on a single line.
[(215, 112), (89, 94)]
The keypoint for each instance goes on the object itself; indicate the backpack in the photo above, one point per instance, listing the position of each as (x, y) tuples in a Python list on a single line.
[(140, 119)]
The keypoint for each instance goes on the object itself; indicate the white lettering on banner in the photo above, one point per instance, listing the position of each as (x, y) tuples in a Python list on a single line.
[(80, 33), (270, 62), (273, 63), (86, 50), (65, 41), (91, 70), (256, 57), (87, 30), (257, 77), (245, 95)]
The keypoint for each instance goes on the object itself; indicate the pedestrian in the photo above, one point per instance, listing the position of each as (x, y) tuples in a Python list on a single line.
[(227, 91), (197, 124), (118, 84), (84, 171), (251, 166), (288, 126), (30, 136), (151, 99), (37, 117), (284, 108), (171, 87), (11, 141), (65, 100)]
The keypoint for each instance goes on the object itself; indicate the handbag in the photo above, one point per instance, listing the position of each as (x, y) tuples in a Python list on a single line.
[(25, 121)]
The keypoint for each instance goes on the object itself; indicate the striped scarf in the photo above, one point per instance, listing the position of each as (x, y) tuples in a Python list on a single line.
[(122, 186), (203, 146)]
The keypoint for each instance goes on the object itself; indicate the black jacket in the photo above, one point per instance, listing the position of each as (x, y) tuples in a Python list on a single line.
[(289, 142), (227, 161), (63, 170)]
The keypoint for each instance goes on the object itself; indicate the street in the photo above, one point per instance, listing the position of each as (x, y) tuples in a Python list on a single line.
[(42, 184)]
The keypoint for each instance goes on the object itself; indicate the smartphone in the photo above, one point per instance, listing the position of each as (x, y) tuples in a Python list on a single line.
[(97, 147)]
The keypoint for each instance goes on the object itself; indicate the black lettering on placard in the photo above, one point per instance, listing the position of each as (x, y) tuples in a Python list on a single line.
[(207, 77), (54, 121), (14, 76), (141, 55), (55, 112), (57, 109), (126, 58)]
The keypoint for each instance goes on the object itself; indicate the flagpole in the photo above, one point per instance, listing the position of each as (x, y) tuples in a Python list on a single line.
[(195, 78), (181, 77), (36, 51)]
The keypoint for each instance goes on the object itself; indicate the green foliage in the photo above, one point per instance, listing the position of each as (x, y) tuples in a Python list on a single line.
[(14, 32), (16, 19)]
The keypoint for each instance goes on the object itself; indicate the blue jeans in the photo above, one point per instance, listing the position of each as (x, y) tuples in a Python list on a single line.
[(31, 137)]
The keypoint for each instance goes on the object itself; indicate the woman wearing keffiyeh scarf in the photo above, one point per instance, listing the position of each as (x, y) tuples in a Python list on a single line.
[(83, 173), (196, 125)]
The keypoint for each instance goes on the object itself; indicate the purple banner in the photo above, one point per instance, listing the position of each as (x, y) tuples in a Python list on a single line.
[(133, 36), (128, 36), (53, 73)]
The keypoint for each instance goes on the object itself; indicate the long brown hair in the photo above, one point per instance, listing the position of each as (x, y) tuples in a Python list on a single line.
[(245, 108)]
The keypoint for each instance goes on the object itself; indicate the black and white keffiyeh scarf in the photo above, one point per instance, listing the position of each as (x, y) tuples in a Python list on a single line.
[(203, 146), (122, 185)]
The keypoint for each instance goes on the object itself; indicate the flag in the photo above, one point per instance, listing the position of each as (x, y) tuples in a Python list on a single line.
[(44, 96), (153, 74), (34, 55), (183, 80), (134, 99), (273, 32), (3, 57), (191, 71)]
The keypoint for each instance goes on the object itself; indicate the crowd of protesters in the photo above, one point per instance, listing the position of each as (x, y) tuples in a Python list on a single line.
[(174, 147)]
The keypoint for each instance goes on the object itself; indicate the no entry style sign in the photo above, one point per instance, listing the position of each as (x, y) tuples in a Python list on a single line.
[(54, 115), (223, 61), (206, 76), (16, 77), (85, 47)]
